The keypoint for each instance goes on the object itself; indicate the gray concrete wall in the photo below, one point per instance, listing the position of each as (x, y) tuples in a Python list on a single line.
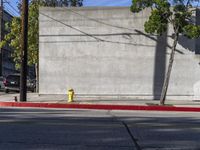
[(105, 52)]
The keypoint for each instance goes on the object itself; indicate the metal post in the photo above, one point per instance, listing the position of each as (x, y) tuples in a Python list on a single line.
[(24, 44)]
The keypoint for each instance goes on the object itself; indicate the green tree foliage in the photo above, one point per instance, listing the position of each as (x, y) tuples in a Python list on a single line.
[(14, 28), (13, 38), (179, 16), (178, 13)]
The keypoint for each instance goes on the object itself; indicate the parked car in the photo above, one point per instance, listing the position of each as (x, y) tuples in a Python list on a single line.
[(1, 83), (12, 83)]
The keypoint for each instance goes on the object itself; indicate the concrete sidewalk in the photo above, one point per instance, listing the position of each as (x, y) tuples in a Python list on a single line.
[(60, 101), (35, 97)]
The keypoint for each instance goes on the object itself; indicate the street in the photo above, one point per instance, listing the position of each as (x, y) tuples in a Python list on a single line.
[(50, 129)]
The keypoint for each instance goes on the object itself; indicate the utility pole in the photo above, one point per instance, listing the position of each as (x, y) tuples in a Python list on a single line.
[(1, 34), (24, 45)]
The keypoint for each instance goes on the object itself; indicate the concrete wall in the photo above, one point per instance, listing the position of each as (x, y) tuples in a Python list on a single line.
[(105, 52)]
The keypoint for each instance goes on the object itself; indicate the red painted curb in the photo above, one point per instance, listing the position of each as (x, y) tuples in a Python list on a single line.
[(99, 106)]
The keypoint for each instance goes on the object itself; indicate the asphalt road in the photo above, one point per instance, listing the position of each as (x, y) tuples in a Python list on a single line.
[(51, 129)]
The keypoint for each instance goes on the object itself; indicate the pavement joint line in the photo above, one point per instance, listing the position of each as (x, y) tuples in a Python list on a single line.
[(99, 106), (135, 141)]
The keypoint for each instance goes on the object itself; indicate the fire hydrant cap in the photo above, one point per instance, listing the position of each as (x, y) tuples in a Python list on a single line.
[(71, 90)]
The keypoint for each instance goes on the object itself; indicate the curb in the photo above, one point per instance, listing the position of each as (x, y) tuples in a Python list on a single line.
[(100, 106)]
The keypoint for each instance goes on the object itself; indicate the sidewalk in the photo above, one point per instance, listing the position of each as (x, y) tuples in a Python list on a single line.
[(60, 101)]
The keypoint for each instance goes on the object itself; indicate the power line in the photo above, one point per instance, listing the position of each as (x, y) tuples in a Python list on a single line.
[(98, 39), (87, 34), (84, 41), (98, 21), (10, 11), (102, 34), (103, 40), (12, 7), (6, 10)]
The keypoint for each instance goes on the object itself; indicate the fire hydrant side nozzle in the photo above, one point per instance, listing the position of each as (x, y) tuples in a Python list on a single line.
[(71, 95)]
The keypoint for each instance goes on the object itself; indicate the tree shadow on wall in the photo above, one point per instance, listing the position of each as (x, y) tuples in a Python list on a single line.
[(161, 56)]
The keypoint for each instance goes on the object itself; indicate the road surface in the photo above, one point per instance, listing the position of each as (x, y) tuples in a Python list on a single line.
[(76, 129)]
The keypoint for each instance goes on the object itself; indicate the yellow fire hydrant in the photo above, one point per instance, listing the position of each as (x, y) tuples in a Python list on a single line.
[(70, 95)]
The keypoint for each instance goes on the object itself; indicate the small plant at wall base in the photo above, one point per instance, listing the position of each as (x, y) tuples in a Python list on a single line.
[(179, 15)]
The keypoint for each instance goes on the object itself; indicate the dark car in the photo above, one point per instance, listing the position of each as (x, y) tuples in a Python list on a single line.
[(12, 83)]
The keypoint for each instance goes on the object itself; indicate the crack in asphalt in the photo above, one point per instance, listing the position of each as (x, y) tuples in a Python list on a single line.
[(134, 140)]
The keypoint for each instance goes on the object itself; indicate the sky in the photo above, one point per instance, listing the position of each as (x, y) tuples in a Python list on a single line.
[(107, 2), (11, 5)]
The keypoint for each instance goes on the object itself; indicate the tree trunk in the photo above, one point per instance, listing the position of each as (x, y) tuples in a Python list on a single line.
[(37, 77), (167, 77)]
